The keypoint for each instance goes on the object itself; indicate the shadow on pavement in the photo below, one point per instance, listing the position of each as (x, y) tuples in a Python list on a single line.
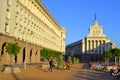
[(16, 78), (38, 68), (85, 73), (86, 66)]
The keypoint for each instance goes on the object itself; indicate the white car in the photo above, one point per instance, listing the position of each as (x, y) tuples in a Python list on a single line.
[(108, 68), (100, 67)]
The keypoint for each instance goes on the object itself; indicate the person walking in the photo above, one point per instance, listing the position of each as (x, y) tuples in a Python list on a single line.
[(117, 74), (67, 65), (50, 65), (113, 69)]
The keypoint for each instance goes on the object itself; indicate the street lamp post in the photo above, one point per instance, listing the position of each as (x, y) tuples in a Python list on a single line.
[(26, 50)]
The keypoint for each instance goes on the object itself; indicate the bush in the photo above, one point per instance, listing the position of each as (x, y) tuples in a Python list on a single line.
[(47, 53)]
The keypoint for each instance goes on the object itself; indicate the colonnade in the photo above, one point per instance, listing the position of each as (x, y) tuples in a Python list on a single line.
[(95, 46)]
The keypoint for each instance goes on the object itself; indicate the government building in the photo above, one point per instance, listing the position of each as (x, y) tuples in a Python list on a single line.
[(92, 46), (28, 23)]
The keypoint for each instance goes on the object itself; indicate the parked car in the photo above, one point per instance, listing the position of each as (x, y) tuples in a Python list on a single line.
[(107, 68), (98, 66)]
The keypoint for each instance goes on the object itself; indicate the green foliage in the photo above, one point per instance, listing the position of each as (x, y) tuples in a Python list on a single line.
[(115, 52), (107, 54), (47, 53), (78, 61), (12, 48), (74, 60), (61, 61), (70, 59)]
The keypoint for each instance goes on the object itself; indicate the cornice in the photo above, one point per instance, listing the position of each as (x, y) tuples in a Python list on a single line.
[(47, 12)]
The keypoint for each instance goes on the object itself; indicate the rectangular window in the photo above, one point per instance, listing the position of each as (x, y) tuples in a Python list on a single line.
[(6, 28)]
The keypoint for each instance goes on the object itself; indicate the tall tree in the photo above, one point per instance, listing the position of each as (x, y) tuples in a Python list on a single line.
[(116, 54), (107, 55), (12, 49)]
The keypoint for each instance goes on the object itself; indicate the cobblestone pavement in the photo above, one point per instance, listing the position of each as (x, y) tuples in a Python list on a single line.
[(86, 74)]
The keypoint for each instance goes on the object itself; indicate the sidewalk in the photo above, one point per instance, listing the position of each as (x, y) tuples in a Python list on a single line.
[(37, 73), (77, 72), (85, 73)]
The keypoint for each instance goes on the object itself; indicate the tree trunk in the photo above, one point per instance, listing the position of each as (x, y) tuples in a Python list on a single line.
[(108, 62), (11, 60), (11, 63), (105, 62)]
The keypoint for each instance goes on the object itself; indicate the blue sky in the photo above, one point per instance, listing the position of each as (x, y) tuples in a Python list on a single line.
[(78, 15)]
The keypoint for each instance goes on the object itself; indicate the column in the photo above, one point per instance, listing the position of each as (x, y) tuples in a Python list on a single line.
[(90, 46), (98, 47), (83, 46), (87, 46), (101, 47), (94, 45)]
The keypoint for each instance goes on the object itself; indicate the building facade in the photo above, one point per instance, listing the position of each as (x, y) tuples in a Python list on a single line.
[(28, 23), (91, 48)]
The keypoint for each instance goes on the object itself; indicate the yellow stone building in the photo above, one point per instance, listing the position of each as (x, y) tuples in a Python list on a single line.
[(92, 46), (30, 24)]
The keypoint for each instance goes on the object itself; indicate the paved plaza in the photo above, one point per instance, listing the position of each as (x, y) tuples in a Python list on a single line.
[(77, 72), (85, 73)]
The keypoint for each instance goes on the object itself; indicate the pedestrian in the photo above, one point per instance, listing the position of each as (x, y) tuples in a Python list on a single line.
[(98, 67), (67, 63), (51, 65), (113, 69), (118, 73)]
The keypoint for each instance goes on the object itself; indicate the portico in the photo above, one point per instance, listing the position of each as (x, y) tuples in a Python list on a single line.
[(92, 46)]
